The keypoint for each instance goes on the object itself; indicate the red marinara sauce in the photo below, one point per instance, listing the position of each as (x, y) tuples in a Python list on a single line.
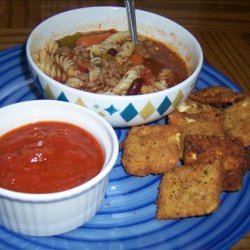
[(48, 156)]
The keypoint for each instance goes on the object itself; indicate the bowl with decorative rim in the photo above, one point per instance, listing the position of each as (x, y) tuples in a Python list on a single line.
[(118, 110)]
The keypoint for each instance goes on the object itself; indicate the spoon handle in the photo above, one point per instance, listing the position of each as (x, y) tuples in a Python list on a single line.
[(130, 7)]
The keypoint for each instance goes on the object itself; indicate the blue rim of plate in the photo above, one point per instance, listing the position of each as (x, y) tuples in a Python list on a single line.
[(126, 219)]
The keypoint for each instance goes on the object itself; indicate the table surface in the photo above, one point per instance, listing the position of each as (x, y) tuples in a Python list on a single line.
[(222, 27)]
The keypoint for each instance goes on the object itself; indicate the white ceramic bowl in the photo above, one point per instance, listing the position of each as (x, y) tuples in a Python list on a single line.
[(56, 213), (119, 111)]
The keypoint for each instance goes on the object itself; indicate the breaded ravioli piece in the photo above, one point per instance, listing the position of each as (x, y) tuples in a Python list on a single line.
[(217, 96), (229, 151), (205, 122), (151, 149), (236, 120), (193, 107), (188, 191), (247, 159), (233, 180)]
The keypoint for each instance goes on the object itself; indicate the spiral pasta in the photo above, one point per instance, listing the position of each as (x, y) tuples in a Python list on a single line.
[(46, 64), (94, 74), (114, 66), (39, 56), (51, 47), (95, 50), (65, 63), (98, 49), (128, 78), (126, 50), (118, 38), (161, 85), (74, 82), (96, 61), (165, 74)]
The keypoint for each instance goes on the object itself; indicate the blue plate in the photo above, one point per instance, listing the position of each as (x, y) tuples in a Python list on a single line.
[(126, 219)]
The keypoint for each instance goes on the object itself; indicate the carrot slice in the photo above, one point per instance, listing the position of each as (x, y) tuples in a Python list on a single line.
[(89, 40), (136, 59)]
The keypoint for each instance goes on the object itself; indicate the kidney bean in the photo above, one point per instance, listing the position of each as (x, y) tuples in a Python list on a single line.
[(135, 87), (112, 52)]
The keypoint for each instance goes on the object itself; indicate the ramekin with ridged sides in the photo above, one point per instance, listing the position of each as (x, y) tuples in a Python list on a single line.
[(55, 213)]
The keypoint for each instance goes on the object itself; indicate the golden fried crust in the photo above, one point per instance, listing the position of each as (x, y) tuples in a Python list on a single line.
[(247, 159), (229, 150), (193, 107), (217, 96), (236, 120), (233, 180), (206, 123), (188, 191), (151, 149)]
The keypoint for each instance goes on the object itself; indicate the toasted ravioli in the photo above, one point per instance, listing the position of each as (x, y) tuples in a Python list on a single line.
[(206, 123), (189, 191), (151, 149), (236, 120), (193, 107), (229, 150), (247, 159), (197, 119), (233, 180), (217, 96)]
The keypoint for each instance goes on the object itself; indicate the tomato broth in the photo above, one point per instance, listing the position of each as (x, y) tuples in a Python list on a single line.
[(107, 62), (48, 156)]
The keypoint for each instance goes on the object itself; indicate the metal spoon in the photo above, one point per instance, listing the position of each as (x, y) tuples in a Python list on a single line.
[(130, 7)]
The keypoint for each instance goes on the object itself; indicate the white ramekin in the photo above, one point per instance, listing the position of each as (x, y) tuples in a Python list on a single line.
[(56, 213)]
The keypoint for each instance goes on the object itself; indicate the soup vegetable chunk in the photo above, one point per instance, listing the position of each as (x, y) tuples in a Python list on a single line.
[(108, 62)]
